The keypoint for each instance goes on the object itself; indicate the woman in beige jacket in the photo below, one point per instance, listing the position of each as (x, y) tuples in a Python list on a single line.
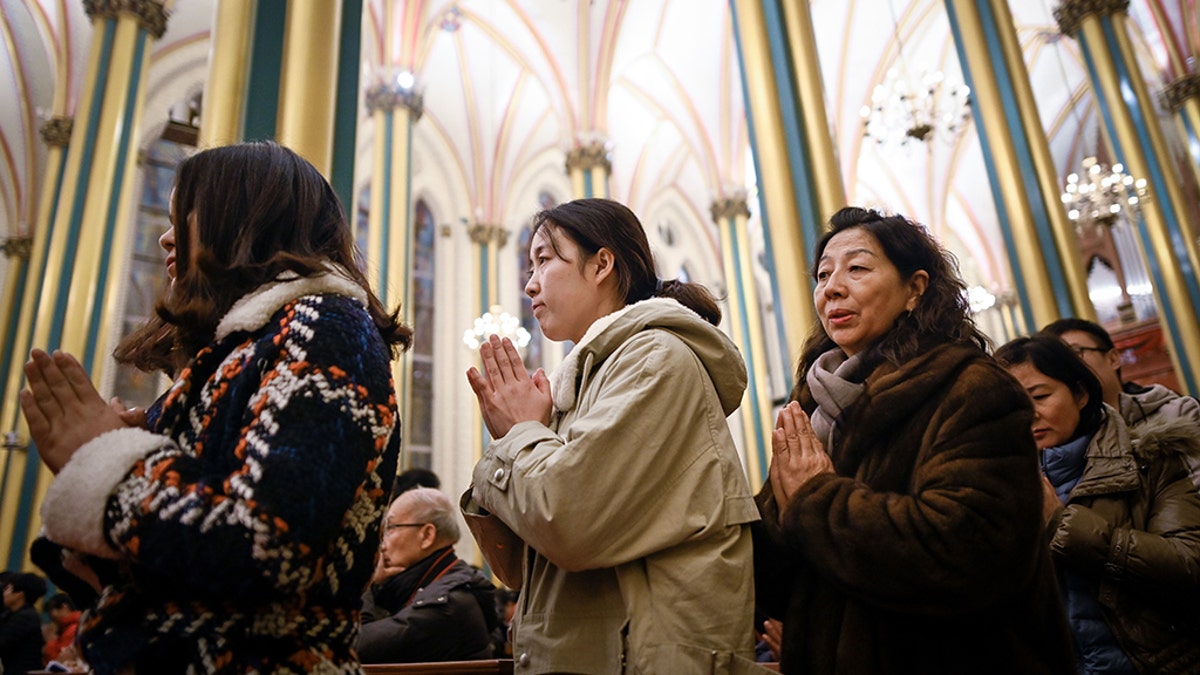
[(613, 495)]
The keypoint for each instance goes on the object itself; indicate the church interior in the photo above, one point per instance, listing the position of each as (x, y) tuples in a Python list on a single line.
[(1052, 146)]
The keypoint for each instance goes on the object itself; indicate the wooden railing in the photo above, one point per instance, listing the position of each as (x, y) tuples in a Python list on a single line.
[(488, 667)]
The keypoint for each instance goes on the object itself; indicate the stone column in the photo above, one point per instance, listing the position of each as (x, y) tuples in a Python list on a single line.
[(1167, 234), (1047, 268), (731, 214), (589, 168)]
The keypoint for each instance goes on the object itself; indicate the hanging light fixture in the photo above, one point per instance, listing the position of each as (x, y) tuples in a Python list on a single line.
[(1098, 195), (496, 321), (903, 113)]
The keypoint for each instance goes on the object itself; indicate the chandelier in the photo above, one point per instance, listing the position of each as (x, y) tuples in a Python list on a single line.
[(496, 321), (1097, 194), (902, 113)]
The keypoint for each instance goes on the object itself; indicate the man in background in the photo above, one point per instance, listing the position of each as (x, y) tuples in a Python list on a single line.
[(425, 604)]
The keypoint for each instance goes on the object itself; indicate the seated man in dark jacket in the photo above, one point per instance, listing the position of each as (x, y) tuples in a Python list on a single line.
[(425, 604)]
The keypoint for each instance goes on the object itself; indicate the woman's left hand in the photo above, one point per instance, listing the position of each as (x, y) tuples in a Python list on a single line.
[(507, 394), (62, 408), (798, 455)]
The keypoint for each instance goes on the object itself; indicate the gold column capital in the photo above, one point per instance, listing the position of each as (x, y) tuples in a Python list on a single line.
[(17, 247), (389, 96), (587, 155), (1071, 13), (485, 234), (151, 14), (1177, 93), (730, 206), (56, 131)]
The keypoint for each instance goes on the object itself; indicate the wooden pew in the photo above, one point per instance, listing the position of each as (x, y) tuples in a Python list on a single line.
[(486, 667)]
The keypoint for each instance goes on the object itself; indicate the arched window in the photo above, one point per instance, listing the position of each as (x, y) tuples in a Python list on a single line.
[(147, 274), (420, 422)]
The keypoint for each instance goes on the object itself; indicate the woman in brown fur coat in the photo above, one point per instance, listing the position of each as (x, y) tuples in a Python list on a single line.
[(901, 527)]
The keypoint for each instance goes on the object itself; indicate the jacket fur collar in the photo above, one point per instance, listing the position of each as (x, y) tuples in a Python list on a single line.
[(253, 310)]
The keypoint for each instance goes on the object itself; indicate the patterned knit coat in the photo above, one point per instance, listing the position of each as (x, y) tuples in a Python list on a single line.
[(245, 521)]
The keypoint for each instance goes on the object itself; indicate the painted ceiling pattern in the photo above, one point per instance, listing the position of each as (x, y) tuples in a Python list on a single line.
[(507, 81)]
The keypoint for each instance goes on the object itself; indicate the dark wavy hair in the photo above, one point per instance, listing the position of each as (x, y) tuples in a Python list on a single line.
[(259, 210), (1055, 359), (594, 224), (941, 314)]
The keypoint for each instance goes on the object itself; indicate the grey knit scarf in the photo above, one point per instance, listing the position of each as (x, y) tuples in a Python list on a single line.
[(833, 392)]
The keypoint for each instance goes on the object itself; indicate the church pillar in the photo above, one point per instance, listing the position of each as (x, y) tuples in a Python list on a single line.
[(1167, 234), (308, 80), (799, 178), (395, 105), (77, 288), (222, 110), (1048, 272), (1183, 98), (731, 213), (589, 168)]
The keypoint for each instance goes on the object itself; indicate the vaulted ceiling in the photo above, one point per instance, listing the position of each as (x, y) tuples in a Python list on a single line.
[(507, 81)]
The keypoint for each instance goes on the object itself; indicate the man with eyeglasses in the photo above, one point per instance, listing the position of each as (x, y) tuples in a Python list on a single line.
[(1139, 405), (424, 604)]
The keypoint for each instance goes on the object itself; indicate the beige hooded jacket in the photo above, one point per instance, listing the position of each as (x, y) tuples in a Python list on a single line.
[(631, 512)]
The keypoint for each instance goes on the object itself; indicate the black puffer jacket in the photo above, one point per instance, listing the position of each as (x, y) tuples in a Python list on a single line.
[(1132, 526)]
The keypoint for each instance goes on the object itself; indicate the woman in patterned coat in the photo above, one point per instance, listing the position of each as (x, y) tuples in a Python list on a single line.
[(243, 513)]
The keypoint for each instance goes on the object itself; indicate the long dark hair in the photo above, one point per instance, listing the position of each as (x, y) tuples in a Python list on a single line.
[(259, 210), (941, 314), (1055, 359), (594, 224)]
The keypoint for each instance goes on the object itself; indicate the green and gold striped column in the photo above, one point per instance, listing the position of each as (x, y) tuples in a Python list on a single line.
[(223, 110), (86, 238), (17, 468), (1048, 270), (589, 168), (799, 179), (395, 106), (1167, 233), (1183, 98), (731, 214)]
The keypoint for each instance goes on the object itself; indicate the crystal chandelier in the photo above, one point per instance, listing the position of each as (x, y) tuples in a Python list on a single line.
[(1097, 195), (496, 321), (901, 113)]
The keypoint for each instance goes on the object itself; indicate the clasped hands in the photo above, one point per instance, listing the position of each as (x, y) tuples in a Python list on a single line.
[(797, 455), (63, 410), (506, 393)]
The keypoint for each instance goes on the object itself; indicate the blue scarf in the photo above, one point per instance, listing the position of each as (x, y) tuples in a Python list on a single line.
[(1064, 464)]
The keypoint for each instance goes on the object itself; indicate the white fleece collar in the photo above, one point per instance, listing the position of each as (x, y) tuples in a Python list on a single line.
[(562, 381), (253, 310)]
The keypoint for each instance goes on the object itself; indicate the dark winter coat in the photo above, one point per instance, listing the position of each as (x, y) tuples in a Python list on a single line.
[(925, 551), (450, 619), (20, 640), (1131, 527)]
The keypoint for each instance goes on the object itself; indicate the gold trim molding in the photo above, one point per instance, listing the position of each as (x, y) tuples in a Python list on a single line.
[(730, 207), (590, 155), (486, 234), (1177, 93), (385, 96), (150, 14), (56, 131), (1070, 14), (17, 247)]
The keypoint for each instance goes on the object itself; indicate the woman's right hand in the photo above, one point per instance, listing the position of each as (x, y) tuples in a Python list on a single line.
[(798, 455), (506, 393), (63, 408)]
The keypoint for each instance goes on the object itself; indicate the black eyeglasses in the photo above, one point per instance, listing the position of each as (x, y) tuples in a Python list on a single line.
[(391, 526), (1080, 349)]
